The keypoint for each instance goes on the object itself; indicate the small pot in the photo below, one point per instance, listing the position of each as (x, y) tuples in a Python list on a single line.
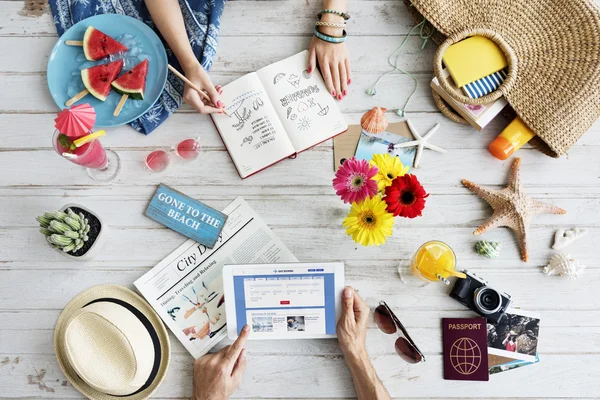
[(98, 242)]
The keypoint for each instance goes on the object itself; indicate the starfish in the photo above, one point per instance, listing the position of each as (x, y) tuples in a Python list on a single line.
[(512, 207), (421, 142)]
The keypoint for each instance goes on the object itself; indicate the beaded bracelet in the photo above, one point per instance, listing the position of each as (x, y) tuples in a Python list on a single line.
[(330, 24), (344, 15), (330, 39)]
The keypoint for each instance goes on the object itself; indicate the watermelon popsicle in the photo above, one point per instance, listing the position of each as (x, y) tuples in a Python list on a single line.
[(97, 44), (131, 84), (97, 81)]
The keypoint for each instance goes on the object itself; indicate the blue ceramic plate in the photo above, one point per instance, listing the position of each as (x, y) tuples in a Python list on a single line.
[(65, 63)]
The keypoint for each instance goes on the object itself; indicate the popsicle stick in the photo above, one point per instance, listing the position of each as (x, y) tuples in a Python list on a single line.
[(196, 88), (76, 98), (120, 105), (74, 43)]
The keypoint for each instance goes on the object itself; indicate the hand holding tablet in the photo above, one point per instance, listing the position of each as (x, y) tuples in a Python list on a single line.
[(283, 301)]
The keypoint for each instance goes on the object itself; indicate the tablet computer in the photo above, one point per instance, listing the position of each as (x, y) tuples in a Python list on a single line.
[(283, 301)]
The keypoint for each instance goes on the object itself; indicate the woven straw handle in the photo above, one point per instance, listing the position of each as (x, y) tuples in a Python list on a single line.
[(446, 110), (506, 49)]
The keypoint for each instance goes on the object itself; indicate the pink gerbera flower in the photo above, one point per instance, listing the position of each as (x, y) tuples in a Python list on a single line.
[(353, 181)]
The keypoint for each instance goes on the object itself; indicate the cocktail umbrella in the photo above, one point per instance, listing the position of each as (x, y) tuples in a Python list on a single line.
[(76, 120)]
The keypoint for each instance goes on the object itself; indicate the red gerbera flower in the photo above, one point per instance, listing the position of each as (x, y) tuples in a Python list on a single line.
[(405, 197)]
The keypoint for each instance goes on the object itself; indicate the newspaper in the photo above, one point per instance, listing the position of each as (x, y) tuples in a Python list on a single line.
[(186, 288)]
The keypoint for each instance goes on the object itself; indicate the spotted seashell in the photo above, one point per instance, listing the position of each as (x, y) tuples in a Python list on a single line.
[(374, 121), (487, 249)]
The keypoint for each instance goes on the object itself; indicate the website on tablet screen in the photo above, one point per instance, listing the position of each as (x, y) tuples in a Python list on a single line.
[(291, 301)]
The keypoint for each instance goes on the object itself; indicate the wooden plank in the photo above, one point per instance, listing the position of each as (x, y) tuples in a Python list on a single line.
[(367, 54), (327, 377), (25, 131), (36, 98), (456, 210), (147, 247), (279, 17), (180, 126), (553, 340), (312, 167), (374, 284)]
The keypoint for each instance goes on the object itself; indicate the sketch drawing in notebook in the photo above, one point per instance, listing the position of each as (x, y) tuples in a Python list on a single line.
[(276, 112)]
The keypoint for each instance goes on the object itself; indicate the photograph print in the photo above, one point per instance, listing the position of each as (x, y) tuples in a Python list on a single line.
[(515, 336)]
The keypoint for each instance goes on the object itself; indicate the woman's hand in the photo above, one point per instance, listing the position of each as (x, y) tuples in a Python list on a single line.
[(200, 78), (334, 63)]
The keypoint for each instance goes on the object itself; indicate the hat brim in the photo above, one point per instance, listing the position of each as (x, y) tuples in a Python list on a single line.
[(125, 295)]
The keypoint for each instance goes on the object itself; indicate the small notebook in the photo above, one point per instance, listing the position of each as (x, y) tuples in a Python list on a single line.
[(465, 349), (472, 59), (485, 85), (275, 113)]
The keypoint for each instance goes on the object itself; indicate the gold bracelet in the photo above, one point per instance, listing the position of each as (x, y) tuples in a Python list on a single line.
[(330, 24)]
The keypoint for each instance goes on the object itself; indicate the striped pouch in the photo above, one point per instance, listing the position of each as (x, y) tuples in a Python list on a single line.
[(485, 85)]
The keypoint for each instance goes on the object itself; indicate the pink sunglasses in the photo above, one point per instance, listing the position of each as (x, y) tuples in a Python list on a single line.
[(159, 160)]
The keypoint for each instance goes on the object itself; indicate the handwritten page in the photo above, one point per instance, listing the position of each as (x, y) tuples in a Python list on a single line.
[(304, 105), (253, 133)]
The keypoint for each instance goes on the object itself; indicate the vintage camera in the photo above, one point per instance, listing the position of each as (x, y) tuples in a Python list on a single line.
[(474, 293)]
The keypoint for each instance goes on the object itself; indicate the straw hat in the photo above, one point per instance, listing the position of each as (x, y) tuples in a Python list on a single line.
[(553, 53), (111, 344)]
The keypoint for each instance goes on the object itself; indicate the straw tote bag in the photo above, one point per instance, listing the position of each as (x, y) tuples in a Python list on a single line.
[(553, 53)]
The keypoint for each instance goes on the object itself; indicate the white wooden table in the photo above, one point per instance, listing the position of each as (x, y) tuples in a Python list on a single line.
[(296, 200)]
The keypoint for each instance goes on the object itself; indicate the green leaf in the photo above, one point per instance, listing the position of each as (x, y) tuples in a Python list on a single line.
[(44, 221), (66, 142), (60, 240), (71, 234), (59, 227), (73, 223)]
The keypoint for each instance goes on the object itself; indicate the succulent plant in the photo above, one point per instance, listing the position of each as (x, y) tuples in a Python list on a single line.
[(67, 231)]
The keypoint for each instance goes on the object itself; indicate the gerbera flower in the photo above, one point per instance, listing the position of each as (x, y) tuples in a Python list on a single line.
[(368, 222), (405, 197), (390, 167), (353, 181)]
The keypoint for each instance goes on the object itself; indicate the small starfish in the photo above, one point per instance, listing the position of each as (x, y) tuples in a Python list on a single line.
[(512, 207), (420, 142)]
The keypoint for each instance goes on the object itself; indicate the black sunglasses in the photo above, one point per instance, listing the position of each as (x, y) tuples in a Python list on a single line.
[(388, 323)]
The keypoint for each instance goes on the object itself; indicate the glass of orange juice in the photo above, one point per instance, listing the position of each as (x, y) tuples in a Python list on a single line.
[(435, 261)]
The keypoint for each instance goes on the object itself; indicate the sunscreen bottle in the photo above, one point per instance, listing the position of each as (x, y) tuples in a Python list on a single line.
[(512, 138)]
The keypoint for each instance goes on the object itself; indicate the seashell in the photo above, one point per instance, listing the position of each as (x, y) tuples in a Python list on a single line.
[(563, 238), (564, 265), (487, 249), (371, 92), (374, 121)]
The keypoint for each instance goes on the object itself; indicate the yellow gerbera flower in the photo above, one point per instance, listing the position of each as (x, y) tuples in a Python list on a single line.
[(368, 222), (390, 167)]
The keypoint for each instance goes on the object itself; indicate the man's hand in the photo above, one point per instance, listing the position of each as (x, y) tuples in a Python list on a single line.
[(352, 325), (218, 375)]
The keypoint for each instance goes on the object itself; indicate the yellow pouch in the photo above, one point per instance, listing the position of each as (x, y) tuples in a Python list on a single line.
[(472, 59)]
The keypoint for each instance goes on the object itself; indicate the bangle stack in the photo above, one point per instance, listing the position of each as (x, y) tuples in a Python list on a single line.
[(329, 38)]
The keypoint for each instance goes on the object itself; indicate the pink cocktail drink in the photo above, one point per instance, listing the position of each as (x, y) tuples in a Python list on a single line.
[(90, 155)]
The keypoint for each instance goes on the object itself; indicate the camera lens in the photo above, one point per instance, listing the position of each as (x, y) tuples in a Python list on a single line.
[(488, 300)]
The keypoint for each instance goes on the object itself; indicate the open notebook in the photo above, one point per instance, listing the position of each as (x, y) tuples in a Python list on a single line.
[(276, 112)]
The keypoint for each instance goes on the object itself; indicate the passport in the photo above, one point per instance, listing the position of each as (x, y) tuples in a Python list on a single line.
[(465, 349)]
